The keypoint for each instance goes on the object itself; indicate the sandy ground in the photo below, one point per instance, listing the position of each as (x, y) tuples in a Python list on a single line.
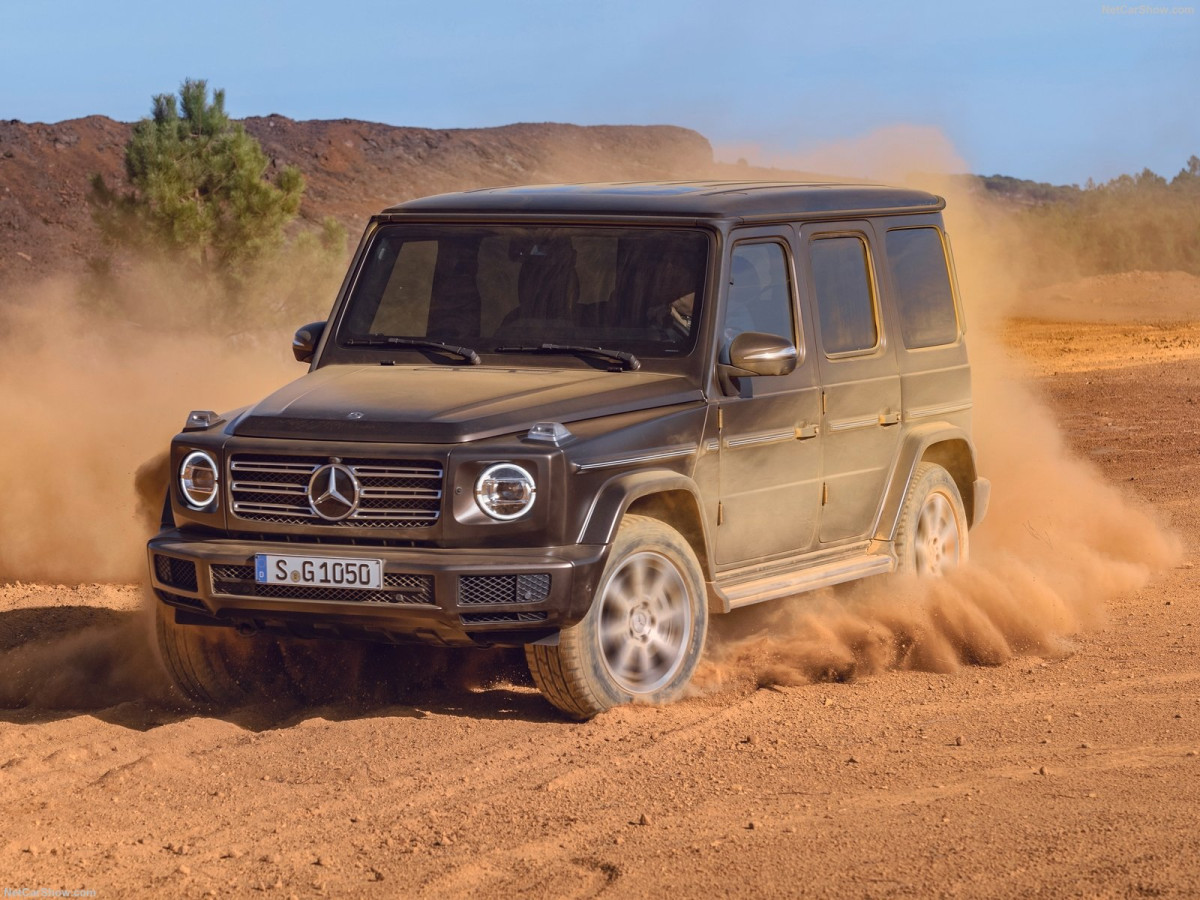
[(1136, 296), (1072, 774)]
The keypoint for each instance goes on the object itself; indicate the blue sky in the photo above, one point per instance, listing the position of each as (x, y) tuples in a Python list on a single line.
[(1049, 91)]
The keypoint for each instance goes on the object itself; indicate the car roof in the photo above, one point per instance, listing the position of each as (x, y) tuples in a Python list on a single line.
[(706, 199)]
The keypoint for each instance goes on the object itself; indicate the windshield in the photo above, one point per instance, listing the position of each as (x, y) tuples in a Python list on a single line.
[(493, 288)]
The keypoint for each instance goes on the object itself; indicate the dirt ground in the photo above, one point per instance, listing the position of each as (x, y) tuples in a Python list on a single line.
[(1067, 774)]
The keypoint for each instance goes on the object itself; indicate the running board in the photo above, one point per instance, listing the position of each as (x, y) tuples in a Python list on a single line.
[(773, 587)]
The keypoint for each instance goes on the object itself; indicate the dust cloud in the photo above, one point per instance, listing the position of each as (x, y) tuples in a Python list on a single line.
[(1058, 543), (82, 657), (890, 155), (91, 396), (89, 401)]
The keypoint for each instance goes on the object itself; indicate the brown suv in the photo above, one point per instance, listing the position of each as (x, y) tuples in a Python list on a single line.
[(581, 419)]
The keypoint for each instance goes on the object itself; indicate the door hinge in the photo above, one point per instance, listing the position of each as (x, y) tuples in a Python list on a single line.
[(825, 493), (720, 513), (824, 403), (720, 418)]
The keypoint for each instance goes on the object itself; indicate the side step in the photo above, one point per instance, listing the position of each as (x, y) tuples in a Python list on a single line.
[(797, 581)]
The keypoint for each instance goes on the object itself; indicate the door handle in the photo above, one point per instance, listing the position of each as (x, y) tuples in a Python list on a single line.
[(804, 432), (889, 418)]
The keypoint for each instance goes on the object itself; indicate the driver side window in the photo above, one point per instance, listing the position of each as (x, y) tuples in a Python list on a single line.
[(760, 292)]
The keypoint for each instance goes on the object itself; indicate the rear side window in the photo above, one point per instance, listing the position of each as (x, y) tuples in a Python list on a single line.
[(845, 301), (922, 281)]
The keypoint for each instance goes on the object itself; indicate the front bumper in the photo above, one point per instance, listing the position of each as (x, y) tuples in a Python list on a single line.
[(440, 596)]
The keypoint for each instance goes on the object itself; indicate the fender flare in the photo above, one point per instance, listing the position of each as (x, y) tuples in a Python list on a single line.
[(916, 444), (620, 492)]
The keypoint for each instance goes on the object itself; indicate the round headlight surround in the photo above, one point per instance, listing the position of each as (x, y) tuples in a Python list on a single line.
[(197, 492), (516, 497)]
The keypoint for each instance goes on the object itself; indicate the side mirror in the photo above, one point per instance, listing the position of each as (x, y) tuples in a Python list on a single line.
[(304, 344), (756, 353)]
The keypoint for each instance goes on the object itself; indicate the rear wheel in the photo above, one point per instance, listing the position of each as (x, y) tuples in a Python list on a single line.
[(643, 636), (932, 534)]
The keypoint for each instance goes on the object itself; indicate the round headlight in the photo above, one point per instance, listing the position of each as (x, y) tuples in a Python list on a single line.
[(198, 479), (505, 491)]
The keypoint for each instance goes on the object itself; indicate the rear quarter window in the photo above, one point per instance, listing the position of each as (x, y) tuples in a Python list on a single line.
[(844, 296), (924, 299)]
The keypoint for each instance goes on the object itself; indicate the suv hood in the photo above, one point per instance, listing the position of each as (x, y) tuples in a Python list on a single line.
[(450, 404)]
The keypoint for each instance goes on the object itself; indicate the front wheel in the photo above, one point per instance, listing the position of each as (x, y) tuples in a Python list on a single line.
[(216, 665), (644, 633), (932, 534)]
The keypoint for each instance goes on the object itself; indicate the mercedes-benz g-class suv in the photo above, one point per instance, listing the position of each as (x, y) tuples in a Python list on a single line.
[(582, 419)]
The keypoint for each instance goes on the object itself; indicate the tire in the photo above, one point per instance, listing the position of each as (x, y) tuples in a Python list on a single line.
[(216, 665), (931, 536), (643, 636)]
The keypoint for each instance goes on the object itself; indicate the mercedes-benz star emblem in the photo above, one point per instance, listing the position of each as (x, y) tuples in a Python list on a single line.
[(333, 492)]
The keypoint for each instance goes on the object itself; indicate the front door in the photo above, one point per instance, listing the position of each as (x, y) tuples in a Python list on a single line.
[(859, 378), (769, 436)]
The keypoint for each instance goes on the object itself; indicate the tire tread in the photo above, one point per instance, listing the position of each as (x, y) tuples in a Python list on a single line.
[(190, 667), (902, 539), (560, 671)]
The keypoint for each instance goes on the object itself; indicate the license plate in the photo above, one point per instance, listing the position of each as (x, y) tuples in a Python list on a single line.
[(318, 571)]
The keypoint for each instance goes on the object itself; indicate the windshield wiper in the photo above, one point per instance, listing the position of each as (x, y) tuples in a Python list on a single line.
[(385, 340), (624, 357)]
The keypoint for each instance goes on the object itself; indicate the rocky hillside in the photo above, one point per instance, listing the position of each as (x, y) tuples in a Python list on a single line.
[(352, 168)]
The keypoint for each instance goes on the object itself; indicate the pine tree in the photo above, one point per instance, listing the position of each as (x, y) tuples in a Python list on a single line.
[(200, 197), (198, 187)]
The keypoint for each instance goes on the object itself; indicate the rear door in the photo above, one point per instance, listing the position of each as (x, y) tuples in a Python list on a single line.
[(935, 376), (769, 437), (860, 384)]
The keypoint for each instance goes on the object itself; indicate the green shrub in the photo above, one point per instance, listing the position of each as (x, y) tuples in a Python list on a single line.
[(201, 204)]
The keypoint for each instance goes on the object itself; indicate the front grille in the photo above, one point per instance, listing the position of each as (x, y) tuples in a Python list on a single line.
[(398, 587), (503, 618), (178, 573), (395, 493), (482, 590)]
